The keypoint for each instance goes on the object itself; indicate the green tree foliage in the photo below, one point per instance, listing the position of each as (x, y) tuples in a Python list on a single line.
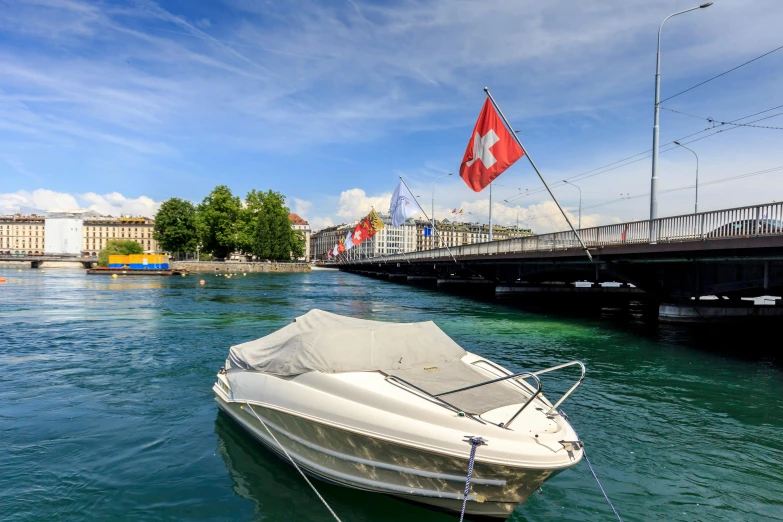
[(267, 230), (219, 223), (118, 246), (175, 226)]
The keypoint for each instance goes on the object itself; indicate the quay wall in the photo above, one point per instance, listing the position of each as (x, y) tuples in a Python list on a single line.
[(234, 267)]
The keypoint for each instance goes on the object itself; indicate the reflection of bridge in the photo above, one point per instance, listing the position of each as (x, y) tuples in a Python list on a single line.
[(730, 254), (36, 261)]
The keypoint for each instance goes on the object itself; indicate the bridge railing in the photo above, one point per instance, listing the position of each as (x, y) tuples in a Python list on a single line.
[(753, 221)]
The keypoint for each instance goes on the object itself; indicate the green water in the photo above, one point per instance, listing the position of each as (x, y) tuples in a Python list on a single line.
[(107, 413)]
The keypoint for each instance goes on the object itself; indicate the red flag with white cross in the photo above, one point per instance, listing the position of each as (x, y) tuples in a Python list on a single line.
[(491, 150)]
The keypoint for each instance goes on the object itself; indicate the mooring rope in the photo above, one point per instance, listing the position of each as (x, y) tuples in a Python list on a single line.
[(325, 503), (589, 465), (475, 442)]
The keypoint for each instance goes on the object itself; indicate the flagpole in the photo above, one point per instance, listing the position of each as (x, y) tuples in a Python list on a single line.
[(519, 142), (490, 210), (425, 215)]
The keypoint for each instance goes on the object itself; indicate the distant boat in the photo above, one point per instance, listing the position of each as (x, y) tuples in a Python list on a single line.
[(319, 267), (386, 407)]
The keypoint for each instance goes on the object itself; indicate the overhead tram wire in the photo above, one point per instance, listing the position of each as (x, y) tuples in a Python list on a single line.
[(719, 123), (722, 74), (603, 169), (676, 189)]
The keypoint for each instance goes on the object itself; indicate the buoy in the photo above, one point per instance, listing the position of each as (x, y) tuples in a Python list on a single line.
[(201, 282), (43, 271), (2, 280), (244, 274), (183, 275), (114, 276), (19, 270)]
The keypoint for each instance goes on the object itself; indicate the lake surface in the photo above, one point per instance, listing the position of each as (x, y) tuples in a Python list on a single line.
[(106, 408)]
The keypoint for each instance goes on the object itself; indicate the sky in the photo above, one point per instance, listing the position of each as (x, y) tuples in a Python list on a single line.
[(120, 105)]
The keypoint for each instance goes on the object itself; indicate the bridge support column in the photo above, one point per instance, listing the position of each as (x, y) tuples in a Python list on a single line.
[(700, 313)]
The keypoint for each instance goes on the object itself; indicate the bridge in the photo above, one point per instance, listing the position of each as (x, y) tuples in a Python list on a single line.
[(675, 262), (39, 260)]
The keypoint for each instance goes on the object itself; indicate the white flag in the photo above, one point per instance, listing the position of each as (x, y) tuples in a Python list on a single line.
[(402, 206), (349, 241)]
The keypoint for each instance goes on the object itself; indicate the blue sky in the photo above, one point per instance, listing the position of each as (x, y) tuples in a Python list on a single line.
[(120, 105)]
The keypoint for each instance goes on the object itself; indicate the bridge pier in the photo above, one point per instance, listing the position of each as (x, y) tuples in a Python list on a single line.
[(701, 313)]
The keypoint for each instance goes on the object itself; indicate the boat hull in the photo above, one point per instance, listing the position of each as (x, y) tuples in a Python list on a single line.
[(371, 463)]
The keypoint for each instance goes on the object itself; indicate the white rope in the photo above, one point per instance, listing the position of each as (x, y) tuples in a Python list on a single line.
[(325, 503), (589, 465)]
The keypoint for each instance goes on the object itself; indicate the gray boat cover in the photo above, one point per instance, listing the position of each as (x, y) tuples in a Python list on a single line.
[(331, 343)]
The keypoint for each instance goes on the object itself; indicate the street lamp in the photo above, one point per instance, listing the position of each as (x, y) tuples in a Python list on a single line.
[(580, 202), (433, 206), (654, 181), (696, 205)]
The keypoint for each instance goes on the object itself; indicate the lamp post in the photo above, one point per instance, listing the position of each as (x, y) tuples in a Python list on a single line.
[(517, 220), (580, 202), (696, 205), (433, 206), (654, 181)]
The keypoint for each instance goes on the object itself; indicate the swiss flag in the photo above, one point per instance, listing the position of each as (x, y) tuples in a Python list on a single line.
[(491, 150)]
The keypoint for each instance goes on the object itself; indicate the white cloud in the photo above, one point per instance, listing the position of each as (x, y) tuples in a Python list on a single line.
[(302, 207), (318, 223), (42, 200), (37, 201), (355, 203)]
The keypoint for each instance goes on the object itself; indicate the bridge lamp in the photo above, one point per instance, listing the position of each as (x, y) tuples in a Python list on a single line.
[(580, 201), (696, 206), (654, 181)]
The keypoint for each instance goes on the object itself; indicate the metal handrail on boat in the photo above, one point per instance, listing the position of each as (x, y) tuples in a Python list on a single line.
[(570, 390)]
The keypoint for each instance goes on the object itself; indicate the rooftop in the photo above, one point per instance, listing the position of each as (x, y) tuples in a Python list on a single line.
[(296, 220)]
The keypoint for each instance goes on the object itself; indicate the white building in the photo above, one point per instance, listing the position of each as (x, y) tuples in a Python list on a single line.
[(63, 231), (388, 240), (297, 223)]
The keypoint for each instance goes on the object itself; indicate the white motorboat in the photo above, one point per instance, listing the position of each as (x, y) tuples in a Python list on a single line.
[(387, 407)]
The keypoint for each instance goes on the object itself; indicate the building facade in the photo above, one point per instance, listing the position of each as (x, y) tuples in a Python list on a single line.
[(411, 236), (99, 230), (453, 234), (297, 223), (388, 240), (22, 234), (74, 232)]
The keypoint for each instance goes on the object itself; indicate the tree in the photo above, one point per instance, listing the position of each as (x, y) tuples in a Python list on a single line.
[(254, 201), (219, 223), (175, 226), (118, 246), (268, 230)]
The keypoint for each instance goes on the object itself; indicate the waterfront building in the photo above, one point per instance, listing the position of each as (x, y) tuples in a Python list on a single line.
[(99, 230), (65, 231), (21, 234), (76, 232), (323, 241), (388, 240), (453, 233), (297, 223), (413, 235)]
